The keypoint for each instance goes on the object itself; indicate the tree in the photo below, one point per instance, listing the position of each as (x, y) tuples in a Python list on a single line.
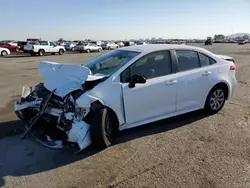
[(219, 37)]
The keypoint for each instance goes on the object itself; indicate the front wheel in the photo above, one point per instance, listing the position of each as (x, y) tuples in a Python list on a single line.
[(99, 50), (88, 51), (104, 126), (215, 100)]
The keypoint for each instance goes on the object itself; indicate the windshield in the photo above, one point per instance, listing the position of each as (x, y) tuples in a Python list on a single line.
[(110, 62)]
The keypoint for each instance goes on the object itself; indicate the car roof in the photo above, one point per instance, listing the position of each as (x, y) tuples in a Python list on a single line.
[(157, 47)]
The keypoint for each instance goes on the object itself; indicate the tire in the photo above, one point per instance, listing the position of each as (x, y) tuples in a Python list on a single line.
[(80, 51), (53, 53), (215, 100), (99, 50), (109, 48), (4, 53), (103, 127), (88, 51), (61, 51), (32, 54), (41, 52)]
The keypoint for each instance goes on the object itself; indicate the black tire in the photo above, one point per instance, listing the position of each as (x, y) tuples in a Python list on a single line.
[(99, 50), (103, 127), (109, 48), (88, 51), (80, 51), (61, 51), (41, 52), (4, 53), (219, 101), (53, 53)]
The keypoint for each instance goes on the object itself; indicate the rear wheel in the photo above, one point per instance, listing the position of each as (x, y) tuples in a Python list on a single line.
[(4, 53), (61, 51), (41, 52), (215, 100)]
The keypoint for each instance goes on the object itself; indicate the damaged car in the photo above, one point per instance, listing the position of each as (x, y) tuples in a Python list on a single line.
[(88, 104)]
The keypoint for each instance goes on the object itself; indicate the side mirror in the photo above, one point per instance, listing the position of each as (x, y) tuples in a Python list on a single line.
[(136, 79)]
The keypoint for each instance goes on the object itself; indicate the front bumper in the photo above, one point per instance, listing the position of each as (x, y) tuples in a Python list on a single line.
[(52, 126)]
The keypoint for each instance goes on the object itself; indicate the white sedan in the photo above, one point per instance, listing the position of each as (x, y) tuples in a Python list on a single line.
[(121, 89), (87, 47), (4, 52)]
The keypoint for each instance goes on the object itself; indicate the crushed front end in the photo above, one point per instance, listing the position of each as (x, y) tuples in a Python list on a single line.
[(53, 120)]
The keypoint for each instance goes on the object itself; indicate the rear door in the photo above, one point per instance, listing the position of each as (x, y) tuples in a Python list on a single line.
[(193, 79), (156, 97)]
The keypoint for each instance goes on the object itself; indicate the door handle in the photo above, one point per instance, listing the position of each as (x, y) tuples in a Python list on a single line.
[(171, 82), (206, 73)]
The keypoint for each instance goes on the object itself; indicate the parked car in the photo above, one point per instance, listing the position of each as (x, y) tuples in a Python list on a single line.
[(4, 52), (109, 45), (129, 43), (69, 45), (87, 47), (9, 46), (21, 45), (141, 43), (90, 103), (242, 42), (120, 44), (209, 41), (44, 47)]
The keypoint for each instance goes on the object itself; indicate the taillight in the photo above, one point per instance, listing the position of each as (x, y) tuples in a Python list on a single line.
[(233, 67)]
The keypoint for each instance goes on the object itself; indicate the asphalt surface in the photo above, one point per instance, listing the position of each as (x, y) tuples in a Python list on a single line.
[(191, 151)]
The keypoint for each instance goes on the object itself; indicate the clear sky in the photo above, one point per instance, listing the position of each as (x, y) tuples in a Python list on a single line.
[(122, 19)]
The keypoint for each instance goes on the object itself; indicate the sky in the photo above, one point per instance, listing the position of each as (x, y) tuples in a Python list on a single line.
[(122, 19)]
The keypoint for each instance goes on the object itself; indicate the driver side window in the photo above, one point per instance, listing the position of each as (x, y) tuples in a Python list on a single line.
[(153, 65)]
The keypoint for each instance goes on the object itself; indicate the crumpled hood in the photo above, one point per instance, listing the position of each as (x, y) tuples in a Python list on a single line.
[(65, 78)]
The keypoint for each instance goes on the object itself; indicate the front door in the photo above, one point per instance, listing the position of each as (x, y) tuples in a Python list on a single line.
[(156, 97)]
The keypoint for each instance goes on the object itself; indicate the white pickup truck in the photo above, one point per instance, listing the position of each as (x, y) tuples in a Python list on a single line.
[(44, 47)]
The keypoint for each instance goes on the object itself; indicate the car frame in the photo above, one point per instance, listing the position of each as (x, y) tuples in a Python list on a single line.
[(131, 94)]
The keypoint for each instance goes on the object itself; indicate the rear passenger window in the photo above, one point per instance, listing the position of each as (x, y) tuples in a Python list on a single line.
[(187, 60), (205, 61)]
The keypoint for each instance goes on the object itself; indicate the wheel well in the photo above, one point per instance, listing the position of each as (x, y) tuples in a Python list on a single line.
[(98, 104), (224, 86)]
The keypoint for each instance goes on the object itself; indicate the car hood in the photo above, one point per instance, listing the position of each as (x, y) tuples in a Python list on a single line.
[(65, 78)]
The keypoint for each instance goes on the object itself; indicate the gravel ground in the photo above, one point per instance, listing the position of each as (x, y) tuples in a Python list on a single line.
[(190, 151)]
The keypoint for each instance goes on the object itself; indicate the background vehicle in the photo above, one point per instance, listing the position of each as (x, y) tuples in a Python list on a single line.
[(242, 42), (87, 47), (43, 47), (109, 45), (9, 46), (69, 45), (208, 41), (98, 111), (129, 43), (21, 45), (4, 52)]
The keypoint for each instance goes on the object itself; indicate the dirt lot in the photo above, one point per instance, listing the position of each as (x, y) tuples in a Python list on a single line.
[(192, 150)]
